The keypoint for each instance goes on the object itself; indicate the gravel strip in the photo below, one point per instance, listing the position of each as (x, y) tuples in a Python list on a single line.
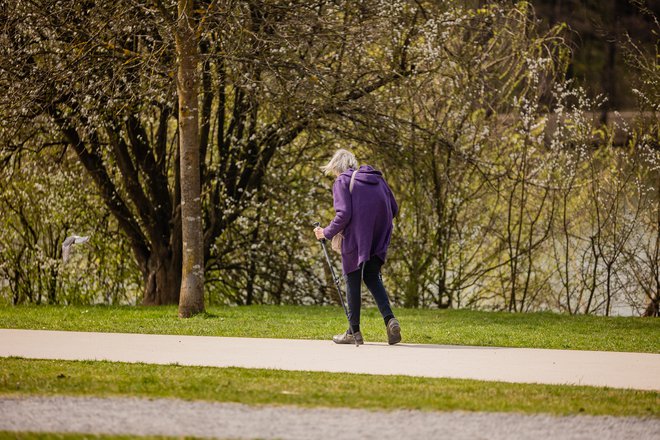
[(227, 420)]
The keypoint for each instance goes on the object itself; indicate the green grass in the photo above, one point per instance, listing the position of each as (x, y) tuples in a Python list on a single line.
[(313, 389), (453, 327)]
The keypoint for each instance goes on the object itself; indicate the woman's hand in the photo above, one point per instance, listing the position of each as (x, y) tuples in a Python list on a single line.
[(319, 233)]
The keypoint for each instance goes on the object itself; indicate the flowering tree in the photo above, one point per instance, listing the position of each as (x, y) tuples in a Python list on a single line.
[(100, 76), (513, 196)]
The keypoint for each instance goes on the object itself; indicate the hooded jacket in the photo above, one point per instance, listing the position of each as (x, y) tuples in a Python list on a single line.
[(365, 216)]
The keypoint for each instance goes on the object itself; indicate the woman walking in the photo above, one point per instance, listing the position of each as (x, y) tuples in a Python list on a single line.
[(364, 209)]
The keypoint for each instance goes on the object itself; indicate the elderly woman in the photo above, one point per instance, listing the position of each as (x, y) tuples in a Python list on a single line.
[(364, 209)]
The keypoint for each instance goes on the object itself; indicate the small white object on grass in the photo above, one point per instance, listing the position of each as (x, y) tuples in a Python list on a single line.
[(70, 241)]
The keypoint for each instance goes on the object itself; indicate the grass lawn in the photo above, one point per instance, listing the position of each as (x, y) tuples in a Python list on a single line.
[(314, 389), (453, 327)]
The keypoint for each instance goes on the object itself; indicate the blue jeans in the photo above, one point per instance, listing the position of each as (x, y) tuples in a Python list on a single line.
[(370, 272)]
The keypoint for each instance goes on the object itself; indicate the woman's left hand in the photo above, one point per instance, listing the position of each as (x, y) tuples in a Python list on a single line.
[(319, 233)]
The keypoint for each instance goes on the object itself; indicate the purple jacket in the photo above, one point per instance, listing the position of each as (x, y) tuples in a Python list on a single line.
[(365, 216)]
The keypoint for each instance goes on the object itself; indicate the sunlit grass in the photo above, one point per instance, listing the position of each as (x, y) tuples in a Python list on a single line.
[(313, 389), (453, 327)]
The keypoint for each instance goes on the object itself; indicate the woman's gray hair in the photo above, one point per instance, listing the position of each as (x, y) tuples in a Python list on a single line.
[(340, 162)]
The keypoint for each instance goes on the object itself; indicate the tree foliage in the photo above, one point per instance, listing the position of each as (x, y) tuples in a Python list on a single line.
[(100, 76), (512, 196)]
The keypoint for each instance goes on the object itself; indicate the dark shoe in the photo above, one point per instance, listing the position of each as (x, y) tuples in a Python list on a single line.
[(393, 331), (348, 338)]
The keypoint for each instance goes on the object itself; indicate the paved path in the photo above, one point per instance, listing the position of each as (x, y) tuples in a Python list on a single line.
[(225, 420), (617, 370)]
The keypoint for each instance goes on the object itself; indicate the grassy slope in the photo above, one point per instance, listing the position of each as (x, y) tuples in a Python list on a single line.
[(456, 327), (255, 386)]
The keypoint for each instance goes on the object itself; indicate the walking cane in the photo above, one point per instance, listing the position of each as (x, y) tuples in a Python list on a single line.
[(335, 278)]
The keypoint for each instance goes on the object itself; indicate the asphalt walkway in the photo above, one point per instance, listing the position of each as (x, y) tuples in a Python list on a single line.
[(524, 365)]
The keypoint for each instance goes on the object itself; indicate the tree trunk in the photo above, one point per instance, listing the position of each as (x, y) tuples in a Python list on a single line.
[(443, 234), (608, 75), (608, 290), (161, 269), (191, 300), (162, 278), (653, 308)]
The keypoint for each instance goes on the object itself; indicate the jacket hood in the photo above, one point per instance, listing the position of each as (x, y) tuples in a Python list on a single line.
[(365, 174)]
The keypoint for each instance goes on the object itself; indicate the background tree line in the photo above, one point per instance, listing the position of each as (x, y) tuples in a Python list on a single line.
[(511, 197)]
